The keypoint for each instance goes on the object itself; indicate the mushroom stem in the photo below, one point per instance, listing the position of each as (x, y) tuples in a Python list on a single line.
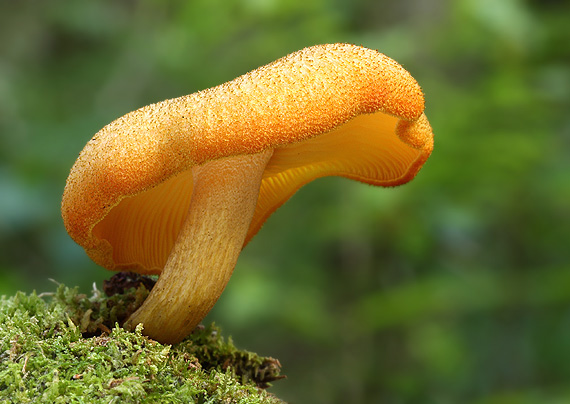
[(202, 260)]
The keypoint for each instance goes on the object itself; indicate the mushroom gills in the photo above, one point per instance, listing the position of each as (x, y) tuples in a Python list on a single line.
[(143, 228), (367, 148)]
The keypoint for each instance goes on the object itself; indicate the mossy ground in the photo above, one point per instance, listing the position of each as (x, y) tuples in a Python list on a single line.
[(66, 347)]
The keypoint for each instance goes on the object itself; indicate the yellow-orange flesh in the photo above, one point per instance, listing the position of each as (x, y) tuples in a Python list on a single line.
[(206, 249)]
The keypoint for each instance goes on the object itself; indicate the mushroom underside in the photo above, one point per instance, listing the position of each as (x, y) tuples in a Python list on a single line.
[(142, 229)]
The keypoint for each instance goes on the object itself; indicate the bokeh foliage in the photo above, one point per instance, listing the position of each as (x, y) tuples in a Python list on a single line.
[(453, 288)]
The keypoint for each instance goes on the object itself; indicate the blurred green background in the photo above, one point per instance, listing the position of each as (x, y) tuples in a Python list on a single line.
[(452, 289)]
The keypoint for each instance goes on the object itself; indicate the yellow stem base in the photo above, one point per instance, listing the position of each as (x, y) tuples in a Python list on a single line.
[(203, 258)]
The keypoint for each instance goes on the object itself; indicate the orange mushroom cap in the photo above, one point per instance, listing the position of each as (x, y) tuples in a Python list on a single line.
[(334, 109)]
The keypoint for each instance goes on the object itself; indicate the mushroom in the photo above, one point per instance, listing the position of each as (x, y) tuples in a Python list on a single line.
[(179, 187)]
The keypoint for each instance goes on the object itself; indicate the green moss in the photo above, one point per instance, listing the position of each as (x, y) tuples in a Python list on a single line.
[(62, 348)]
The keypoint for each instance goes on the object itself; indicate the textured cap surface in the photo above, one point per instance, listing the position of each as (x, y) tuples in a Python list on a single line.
[(333, 109)]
